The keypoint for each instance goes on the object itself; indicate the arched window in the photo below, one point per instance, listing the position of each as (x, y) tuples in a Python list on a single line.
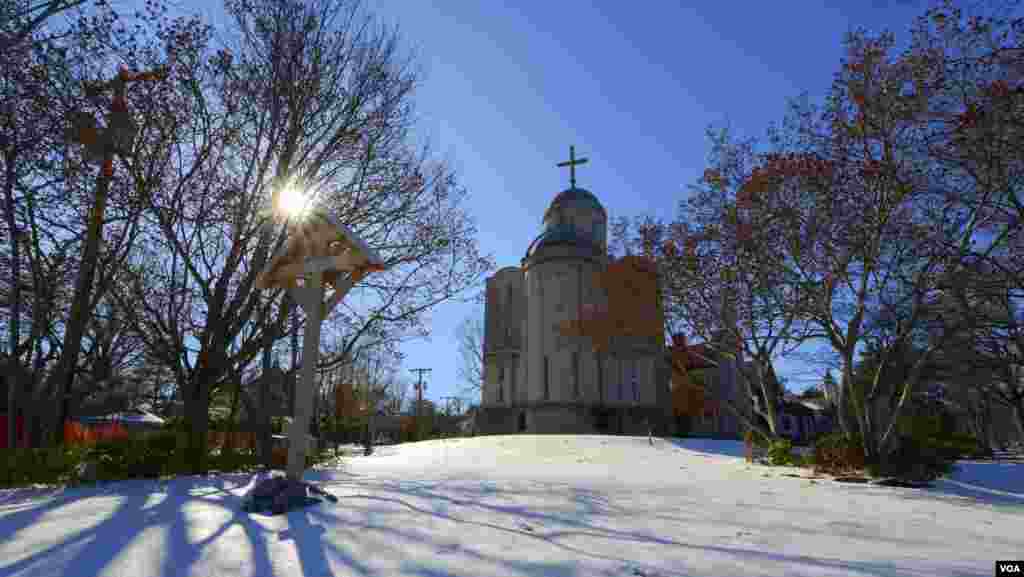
[(576, 374), (634, 376), (622, 377), (547, 382)]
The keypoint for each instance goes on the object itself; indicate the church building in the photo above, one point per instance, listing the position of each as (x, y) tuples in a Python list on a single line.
[(541, 380)]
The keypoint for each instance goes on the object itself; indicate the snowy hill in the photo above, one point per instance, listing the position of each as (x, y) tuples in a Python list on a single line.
[(529, 506)]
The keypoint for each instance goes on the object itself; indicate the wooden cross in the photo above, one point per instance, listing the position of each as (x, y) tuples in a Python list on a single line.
[(571, 163)]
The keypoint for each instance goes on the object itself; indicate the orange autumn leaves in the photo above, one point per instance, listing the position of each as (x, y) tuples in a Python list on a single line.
[(76, 434), (773, 170), (688, 397), (633, 309)]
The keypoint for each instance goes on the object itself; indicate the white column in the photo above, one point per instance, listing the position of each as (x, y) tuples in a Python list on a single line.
[(312, 293)]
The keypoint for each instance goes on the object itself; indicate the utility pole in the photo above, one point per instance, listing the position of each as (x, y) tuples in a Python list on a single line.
[(102, 144), (420, 387)]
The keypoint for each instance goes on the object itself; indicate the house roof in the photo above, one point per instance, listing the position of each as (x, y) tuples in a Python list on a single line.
[(128, 418)]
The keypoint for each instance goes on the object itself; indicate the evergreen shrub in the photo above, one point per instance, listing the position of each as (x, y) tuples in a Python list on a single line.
[(837, 454)]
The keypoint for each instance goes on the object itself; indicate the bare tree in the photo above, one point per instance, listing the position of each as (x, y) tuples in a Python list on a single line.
[(312, 95), (21, 19), (720, 281), (470, 339), (870, 225), (979, 56), (43, 65), (985, 358)]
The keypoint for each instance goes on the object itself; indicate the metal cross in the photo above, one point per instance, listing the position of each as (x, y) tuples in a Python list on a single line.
[(571, 163)]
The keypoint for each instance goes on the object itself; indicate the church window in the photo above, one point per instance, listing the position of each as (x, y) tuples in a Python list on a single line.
[(576, 374), (634, 376), (547, 381), (622, 368), (512, 383)]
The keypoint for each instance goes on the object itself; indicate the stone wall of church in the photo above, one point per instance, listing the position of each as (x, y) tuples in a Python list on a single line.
[(539, 381), (573, 419), (559, 420), (497, 420), (556, 288), (504, 309), (503, 335)]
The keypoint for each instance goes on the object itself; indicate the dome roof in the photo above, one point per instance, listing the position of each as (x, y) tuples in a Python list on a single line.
[(559, 235), (575, 198)]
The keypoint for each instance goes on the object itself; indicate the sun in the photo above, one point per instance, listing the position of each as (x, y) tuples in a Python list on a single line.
[(292, 202)]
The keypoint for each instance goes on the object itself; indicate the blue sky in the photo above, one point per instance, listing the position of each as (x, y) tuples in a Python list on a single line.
[(509, 86)]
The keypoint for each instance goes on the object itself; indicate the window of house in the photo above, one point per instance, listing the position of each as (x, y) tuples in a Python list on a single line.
[(600, 378), (547, 382), (501, 393)]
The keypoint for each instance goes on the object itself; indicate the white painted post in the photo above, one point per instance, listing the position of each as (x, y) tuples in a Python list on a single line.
[(312, 302)]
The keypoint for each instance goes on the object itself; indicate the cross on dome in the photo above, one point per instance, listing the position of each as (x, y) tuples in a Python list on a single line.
[(571, 163)]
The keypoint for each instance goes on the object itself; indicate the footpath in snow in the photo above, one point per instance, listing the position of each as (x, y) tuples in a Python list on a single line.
[(526, 505)]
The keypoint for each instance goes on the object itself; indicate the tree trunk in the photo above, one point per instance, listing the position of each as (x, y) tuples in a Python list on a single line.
[(80, 313), (264, 427), (197, 408), (769, 394), (978, 420), (842, 415), (13, 374), (229, 438), (35, 395), (1018, 419)]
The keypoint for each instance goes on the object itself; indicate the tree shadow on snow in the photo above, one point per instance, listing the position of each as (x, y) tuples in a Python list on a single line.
[(89, 551), (718, 447), (976, 483), (393, 531), (376, 512)]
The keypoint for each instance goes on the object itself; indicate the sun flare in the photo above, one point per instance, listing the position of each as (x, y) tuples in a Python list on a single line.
[(292, 202)]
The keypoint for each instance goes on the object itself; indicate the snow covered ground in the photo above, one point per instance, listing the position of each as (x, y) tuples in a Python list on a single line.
[(555, 506)]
